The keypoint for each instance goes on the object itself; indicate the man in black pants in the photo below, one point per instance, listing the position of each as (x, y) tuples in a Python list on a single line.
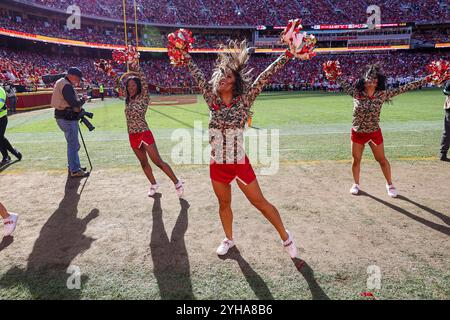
[(445, 143), (5, 146), (12, 98)]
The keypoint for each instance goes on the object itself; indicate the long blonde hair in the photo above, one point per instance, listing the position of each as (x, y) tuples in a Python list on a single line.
[(235, 59)]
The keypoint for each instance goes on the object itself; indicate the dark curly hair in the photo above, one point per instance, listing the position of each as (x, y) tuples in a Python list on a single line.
[(372, 71), (139, 87)]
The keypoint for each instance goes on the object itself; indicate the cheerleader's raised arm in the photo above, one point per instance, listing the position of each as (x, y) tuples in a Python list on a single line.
[(389, 94), (346, 86), (179, 44), (201, 81), (439, 73), (263, 79), (333, 72)]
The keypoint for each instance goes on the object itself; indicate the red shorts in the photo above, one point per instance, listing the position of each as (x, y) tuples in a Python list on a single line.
[(226, 173), (362, 138), (137, 139)]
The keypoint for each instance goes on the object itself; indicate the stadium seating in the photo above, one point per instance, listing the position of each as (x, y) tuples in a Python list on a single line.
[(399, 66), (268, 12)]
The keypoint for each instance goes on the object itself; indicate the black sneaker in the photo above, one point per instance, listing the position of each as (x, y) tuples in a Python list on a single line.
[(444, 158), (17, 154), (79, 174), (82, 169), (5, 160)]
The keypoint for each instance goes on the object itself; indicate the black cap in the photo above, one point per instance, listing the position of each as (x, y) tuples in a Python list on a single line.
[(76, 72), (447, 88)]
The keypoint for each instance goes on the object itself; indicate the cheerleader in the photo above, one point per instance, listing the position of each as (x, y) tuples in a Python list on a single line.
[(141, 138), (230, 95), (369, 94), (9, 220)]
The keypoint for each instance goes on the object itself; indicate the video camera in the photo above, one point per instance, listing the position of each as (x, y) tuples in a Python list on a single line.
[(86, 122), (50, 78)]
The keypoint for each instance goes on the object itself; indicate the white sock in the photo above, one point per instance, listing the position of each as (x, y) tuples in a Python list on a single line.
[(289, 239)]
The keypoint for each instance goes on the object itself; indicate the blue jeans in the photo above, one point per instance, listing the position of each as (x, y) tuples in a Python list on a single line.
[(70, 129)]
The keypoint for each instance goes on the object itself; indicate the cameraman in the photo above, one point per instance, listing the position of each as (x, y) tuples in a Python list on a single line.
[(445, 144), (67, 113)]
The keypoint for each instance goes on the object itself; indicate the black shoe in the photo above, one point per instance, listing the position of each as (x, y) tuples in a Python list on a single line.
[(5, 160), (79, 174), (17, 154), (82, 169), (444, 158)]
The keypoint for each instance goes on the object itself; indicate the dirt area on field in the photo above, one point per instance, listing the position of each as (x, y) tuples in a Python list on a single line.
[(174, 100), (114, 223)]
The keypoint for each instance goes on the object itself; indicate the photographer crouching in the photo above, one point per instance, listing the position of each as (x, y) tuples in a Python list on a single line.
[(67, 113)]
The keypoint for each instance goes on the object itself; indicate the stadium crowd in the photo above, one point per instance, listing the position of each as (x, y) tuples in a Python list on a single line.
[(26, 68), (432, 36), (268, 12), (159, 38), (90, 34)]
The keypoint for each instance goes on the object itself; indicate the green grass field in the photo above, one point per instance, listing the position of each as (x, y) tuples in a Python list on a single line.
[(313, 126), (124, 243)]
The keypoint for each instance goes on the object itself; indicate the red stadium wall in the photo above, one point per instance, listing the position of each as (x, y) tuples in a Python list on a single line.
[(33, 100), (27, 101)]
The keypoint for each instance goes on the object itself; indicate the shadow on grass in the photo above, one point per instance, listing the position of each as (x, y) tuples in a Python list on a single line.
[(437, 214), (255, 281), (6, 242), (430, 224), (174, 119), (191, 111), (308, 273), (61, 240), (170, 258)]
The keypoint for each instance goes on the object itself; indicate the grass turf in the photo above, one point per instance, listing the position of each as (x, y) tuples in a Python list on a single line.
[(313, 126)]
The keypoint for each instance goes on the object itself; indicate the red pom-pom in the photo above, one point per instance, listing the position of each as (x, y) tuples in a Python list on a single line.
[(332, 70), (119, 57), (294, 26), (301, 45), (105, 66), (440, 71), (180, 42), (128, 56)]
